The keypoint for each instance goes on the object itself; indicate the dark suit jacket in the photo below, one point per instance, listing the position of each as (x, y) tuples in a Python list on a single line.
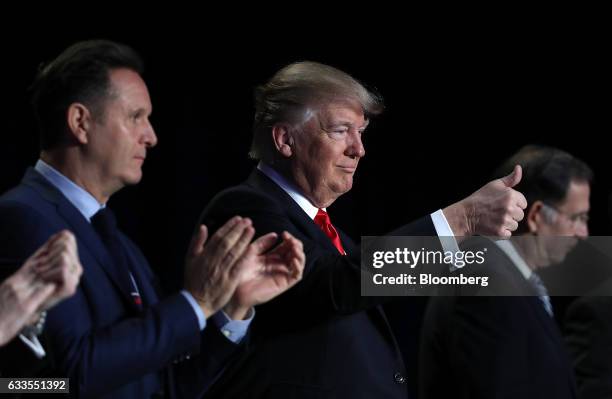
[(477, 346), (321, 339), (99, 338), (588, 332)]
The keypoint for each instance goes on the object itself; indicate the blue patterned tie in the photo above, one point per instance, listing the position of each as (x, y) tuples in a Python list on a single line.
[(542, 292)]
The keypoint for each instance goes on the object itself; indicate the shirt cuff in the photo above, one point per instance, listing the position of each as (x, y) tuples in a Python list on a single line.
[(445, 233), (234, 330), (196, 308), (34, 344)]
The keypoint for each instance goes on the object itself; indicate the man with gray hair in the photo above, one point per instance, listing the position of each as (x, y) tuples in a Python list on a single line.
[(322, 338)]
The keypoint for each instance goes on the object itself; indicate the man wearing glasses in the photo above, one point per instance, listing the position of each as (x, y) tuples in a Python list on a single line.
[(503, 340)]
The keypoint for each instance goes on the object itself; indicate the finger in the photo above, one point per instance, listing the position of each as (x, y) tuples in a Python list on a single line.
[(517, 214), (67, 242), (224, 238), (53, 239), (296, 248), (264, 243), (61, 239), (223, 248), (228, 226), (511, 225), (521, 201), (301, 256), (513, 178), (298, 267), (288, 236), (55, 274), (277, 268), (60, 269), (196, 245), (60, 257), (60, 247), (34, 260), (238, 251), (43, 249)]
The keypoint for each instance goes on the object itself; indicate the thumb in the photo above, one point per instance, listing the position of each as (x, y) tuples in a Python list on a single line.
[(197, 241), (513, 178)]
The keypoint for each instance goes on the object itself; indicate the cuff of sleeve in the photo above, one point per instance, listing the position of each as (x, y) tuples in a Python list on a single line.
[(234, 330), (445, 233), (34, 344), (196, 308)]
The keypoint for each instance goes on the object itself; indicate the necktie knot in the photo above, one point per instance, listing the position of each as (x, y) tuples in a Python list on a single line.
[(324, 222), (105, 223)]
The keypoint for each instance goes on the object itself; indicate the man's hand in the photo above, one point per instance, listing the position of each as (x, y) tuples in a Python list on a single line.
[(493, 210), (268, 274), (59, 264), (213, 270), (48, 276)]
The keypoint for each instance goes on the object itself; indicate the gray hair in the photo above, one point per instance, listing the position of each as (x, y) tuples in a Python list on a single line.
[(294, 94)]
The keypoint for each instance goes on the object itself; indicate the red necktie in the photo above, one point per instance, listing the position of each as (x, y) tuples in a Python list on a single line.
[(322, 220)]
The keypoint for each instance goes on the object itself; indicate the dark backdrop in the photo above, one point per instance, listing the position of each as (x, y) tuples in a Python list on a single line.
[(457, 105)]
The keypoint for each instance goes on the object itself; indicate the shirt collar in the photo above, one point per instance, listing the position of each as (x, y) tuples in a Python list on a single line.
[(80, 198), (290, 189), (508, 248)]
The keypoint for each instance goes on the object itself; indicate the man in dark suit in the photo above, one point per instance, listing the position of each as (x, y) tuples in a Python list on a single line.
[(588, 333), (501, 341), (115, 337), (322, 338)]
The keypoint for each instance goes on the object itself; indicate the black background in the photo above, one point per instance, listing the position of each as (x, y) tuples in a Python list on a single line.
[(457, 104), (459, 99)]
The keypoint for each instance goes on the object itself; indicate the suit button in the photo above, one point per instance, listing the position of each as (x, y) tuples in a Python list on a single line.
[(399, 378)]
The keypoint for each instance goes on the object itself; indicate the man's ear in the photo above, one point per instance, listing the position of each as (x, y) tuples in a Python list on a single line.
[(80, 122), (283, 141), (535, 217)]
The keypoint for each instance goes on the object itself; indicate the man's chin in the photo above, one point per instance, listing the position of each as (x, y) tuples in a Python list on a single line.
[(132, 179), (344, 187)]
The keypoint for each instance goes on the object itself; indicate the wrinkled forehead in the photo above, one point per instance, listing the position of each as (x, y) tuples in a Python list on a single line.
[(341, 113)]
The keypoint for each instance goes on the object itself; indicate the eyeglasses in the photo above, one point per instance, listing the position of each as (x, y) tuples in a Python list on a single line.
[(575, 219)]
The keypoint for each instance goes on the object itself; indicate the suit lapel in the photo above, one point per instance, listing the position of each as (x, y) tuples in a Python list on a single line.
[(296, 214), (82, 229)]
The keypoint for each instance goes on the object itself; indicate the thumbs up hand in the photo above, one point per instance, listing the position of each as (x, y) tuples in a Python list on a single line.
[(493, 210)]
